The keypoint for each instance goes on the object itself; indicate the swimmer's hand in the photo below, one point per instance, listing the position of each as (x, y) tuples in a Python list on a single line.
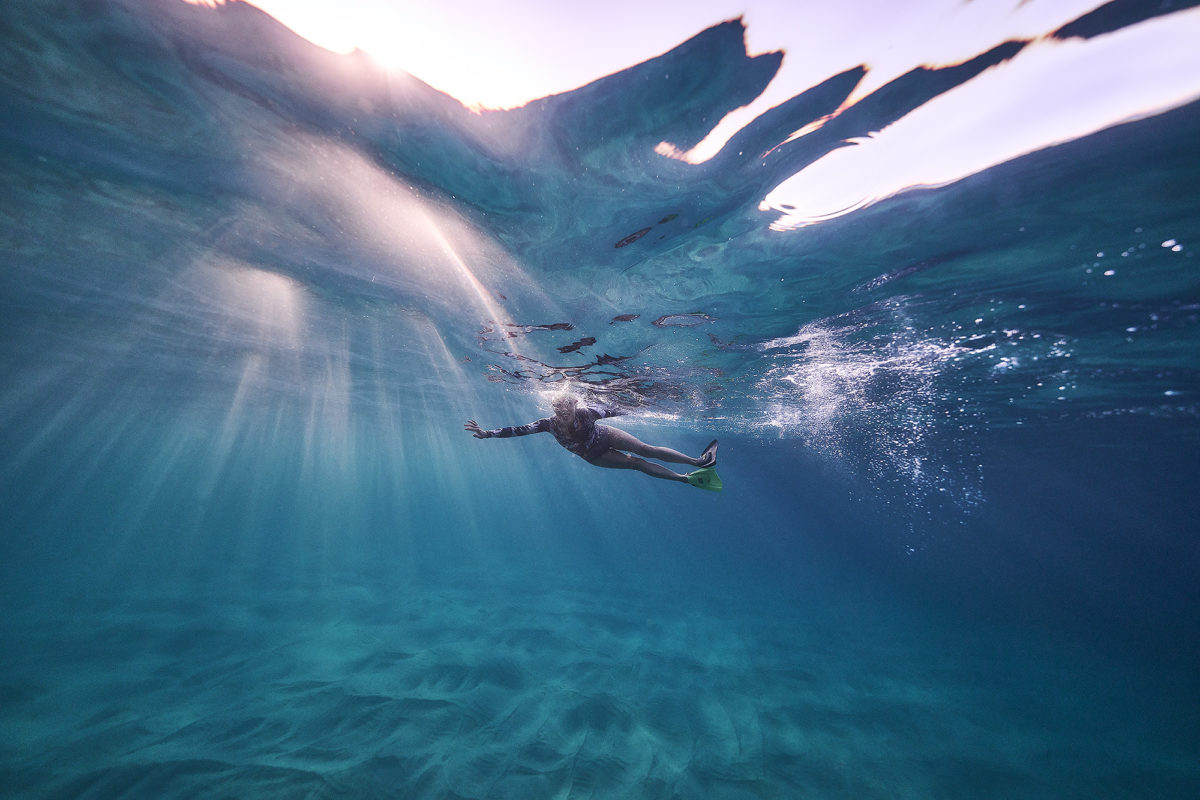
[(476, 431)]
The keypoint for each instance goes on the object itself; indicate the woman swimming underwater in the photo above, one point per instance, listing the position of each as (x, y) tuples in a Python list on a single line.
[(574, 427)]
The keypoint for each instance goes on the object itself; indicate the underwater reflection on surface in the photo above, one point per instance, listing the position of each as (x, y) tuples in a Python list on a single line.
[(1052, 91)]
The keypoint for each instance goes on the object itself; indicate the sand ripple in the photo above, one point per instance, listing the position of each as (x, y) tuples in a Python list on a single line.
[(563, 693)]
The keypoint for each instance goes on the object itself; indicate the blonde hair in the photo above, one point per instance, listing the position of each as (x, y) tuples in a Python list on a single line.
[(564, 400)]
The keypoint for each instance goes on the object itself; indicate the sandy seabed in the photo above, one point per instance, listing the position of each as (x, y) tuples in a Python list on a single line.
[(496, 691)]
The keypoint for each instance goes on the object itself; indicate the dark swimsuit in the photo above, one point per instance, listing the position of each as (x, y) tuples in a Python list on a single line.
[(584, 437)]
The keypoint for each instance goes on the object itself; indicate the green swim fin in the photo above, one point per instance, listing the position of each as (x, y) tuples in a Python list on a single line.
[(705, 478)]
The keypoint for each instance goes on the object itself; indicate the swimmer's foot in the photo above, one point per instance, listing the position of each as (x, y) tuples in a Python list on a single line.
[(705, 478), (709, 457)]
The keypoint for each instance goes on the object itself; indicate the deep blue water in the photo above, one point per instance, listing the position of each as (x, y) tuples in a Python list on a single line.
[(251, 291)]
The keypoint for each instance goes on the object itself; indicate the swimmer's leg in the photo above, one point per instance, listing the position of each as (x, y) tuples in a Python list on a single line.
[(620, 440), (617, 460)]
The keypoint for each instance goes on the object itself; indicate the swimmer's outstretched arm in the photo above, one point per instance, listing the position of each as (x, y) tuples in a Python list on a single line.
[(539, 426)]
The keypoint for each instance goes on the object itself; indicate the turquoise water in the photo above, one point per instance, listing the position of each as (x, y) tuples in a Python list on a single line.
[(252, 290)]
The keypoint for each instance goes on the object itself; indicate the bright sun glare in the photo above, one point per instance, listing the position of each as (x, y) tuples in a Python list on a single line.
[(490, 55)]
